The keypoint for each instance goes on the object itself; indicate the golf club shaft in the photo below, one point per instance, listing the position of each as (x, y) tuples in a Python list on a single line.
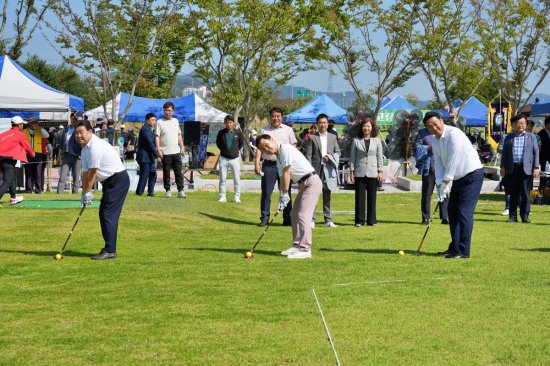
[(428, 228), (267, 227), (71, 233)]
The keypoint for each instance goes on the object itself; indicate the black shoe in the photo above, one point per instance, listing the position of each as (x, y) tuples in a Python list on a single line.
[(287, 223), (512, 219), (446, 252), (262, 223), (104, 255), (380, 189), (445, 221), (425, 221), (525, 220), (457, 256)]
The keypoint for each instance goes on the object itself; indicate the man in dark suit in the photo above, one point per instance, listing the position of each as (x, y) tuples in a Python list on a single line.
[(146, 157), (323, 152), (520, 161), (544, 135)]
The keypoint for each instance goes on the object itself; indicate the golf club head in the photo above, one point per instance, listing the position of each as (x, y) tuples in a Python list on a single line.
[(417, 253)]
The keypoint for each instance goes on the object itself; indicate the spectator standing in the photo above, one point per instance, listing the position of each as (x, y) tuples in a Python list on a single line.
[(323, 153), (230, 141), (69, 154), (519, 163), (14, 147), (146, 157), (170, 149), (456, 160), (130, 147), (57, 142), (36, 136), (281, 134), (544, 135), (293, 166), (101, 162), (367, 168), (331, 129)]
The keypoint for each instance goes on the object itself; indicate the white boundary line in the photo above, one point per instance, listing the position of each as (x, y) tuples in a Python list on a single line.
[(396, 281), (326, 328)]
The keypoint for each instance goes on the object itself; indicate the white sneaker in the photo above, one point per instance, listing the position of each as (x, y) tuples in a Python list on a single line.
[(330, 224), (181, 194), (16, 200), (290, 251), (505, 212), (222, 199), (313, 224), (237, 200), (168, 194), (300, 255)]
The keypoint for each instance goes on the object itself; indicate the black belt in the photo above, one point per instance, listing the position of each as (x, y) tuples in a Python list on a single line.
[(306, 177), (269, 162), (518, 164)]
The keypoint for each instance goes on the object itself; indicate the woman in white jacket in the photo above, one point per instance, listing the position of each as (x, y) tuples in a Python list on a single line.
[(366, 164)]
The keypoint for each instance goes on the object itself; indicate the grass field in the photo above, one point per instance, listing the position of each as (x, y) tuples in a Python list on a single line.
[(181, 293)]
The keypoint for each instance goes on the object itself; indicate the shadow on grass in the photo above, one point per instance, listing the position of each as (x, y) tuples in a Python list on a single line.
[(541, 250), (67, 253), (241, 252), (375, 251), (239, 222)]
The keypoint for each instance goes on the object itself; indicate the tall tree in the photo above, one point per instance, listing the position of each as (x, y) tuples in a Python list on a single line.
[(367, 36), (28, 16), (119, 43), (247, 48)]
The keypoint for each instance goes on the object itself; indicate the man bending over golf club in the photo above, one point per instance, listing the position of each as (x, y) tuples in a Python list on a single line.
[(100, 161), (456, 160), (293, 166)]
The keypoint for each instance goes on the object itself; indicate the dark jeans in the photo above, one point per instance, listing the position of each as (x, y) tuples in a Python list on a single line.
[(271, 176), (8, 169), (147, 176), (172, 162), (115, 189)]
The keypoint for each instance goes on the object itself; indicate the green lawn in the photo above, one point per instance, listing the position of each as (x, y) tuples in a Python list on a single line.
[(181, 293)]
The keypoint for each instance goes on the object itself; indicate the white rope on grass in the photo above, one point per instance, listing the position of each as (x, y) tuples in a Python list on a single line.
[(326, 328)]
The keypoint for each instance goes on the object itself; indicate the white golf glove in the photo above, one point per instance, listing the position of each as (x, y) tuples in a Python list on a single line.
[(442, 192), (86, 199), (284, 199)]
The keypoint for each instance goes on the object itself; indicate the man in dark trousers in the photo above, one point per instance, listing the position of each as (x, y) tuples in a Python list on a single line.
[(69, 156), (519, 163), (101, 162), (544, 135), (323, 153), (230, 141), (146, 156)]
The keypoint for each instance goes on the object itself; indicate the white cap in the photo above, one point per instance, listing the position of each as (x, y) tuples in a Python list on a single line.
[(17, 120), (61, 126), (122, 126)]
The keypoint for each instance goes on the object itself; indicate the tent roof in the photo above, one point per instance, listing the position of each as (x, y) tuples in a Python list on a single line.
[(397, 103), (442, 113), (188, 108), (20, 91), (474, 112), (541, 109), (321, 104)]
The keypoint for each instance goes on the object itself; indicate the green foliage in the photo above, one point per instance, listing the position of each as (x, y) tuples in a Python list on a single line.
[(180, 291)]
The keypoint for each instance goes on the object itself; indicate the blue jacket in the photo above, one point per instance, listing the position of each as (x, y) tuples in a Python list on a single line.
[(530, 153), (146, 152)]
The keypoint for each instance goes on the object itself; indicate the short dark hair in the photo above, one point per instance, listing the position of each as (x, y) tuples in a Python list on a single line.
[(547, 120), (519, 116), (531, 123), (168, 105), (276, 109), (265, 136), (429, 116), (229, 118), (331, 121), (321, 116), (374, 131), (86, 125), (149, 115)]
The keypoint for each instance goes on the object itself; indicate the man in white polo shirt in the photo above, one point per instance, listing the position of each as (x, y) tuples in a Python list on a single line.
[(293, 166), (170, 148), (100, 161)]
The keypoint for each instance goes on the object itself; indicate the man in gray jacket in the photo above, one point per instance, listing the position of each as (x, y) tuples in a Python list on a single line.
[(323, 152)]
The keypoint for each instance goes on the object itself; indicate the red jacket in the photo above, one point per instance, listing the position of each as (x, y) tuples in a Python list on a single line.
[(14, 144)]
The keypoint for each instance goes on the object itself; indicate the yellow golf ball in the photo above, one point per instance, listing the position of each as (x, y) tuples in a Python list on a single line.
[(401, 253), (248, 254), (57, 257)]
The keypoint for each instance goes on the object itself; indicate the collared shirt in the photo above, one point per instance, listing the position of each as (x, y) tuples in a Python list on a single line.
[(281, 135), (290, 156), (324, 144), (99, 154), (455, 157), (519, 144)]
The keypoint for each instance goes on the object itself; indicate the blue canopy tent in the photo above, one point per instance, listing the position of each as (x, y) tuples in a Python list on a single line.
[(442, 113), (474, 112), (397, 103), (322, 104), (541, 109), (24, 95)]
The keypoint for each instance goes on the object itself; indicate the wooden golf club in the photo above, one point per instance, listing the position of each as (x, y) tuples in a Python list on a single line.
[(417, 253)]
